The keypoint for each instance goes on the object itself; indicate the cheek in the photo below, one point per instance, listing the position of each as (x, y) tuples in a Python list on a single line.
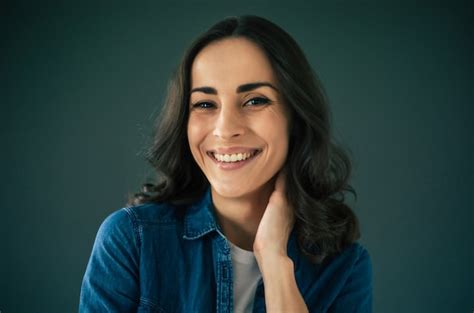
[(193, 131), (276, 139), (278, 142), (275, 131), (196, 132)]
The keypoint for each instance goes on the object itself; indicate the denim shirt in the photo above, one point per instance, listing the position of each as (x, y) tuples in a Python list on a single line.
[(164, 258)]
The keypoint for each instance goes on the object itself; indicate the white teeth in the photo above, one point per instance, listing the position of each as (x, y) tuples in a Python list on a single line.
[(232, 157)]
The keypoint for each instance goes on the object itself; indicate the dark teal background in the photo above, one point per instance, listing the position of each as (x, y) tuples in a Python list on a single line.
[(81, 84)]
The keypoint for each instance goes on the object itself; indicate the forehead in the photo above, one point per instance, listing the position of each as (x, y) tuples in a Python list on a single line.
[(230, 62)]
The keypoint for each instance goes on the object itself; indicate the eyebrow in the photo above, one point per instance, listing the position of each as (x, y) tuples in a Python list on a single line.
[(241, 88)]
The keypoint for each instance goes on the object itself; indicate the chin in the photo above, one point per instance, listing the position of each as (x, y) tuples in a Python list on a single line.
[(231, 191), (228, 191)]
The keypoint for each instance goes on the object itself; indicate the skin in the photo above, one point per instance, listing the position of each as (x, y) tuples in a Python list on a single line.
[(250, 201)]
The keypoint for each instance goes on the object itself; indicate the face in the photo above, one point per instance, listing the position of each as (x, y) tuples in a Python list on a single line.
[(237, 127)]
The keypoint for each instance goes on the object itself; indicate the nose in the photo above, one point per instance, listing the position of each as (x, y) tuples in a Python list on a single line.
[(229, 123)]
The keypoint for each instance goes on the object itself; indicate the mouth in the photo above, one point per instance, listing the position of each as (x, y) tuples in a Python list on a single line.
[(234, 160), (234, 157)]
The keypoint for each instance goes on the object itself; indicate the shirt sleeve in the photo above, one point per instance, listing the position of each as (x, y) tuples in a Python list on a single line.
[(356, 295), (111, 281)]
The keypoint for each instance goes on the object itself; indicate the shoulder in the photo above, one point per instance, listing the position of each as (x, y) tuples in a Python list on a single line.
[(349, 288), (360, 256), (127, 221), (356, 252), (351, 266), (355, 280), (361, 262), (147, 213), (355, 259)]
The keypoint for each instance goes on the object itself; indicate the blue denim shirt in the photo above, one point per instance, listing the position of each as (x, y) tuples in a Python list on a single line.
[(163, 258)]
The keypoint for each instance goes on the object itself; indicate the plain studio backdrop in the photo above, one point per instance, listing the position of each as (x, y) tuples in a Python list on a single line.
[(82, 83)]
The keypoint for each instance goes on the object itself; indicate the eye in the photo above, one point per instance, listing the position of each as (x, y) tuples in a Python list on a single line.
[(258, 101), (203, 105)]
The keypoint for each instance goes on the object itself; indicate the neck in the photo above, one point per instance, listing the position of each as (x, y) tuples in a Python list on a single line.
[(239, 217)]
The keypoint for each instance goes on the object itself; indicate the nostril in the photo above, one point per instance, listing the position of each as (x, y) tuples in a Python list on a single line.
[(225, 135), (228, 129)]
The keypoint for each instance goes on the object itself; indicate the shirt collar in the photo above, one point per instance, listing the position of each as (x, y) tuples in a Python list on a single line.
[(200, 219)]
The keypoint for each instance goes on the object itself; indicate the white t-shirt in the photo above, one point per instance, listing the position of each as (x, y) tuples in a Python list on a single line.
[(246, 276)]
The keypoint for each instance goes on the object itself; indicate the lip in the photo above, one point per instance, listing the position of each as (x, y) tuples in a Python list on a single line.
[(234, 165)]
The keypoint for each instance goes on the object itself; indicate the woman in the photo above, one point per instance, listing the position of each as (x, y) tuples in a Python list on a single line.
[(248, 214)]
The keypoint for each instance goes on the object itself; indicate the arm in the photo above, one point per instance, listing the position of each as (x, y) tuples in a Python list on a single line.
[(281, 291), (111, 282)]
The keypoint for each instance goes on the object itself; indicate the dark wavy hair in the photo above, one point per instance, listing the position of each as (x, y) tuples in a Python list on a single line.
[(317, 169)]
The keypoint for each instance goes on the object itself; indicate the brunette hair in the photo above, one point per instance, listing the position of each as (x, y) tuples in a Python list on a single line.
[(317, 169)]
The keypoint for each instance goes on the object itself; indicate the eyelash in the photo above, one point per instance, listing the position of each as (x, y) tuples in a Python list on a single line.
[(262, 100)]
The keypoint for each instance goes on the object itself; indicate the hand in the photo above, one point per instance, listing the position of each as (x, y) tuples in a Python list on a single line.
[(276, 223)]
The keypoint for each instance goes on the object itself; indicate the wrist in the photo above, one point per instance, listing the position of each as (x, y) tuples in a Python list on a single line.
[(275, 265), (281, 290), (270, 251)]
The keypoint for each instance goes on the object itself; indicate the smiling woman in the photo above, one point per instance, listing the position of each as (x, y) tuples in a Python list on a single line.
[(248, 213), (243, 102)]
